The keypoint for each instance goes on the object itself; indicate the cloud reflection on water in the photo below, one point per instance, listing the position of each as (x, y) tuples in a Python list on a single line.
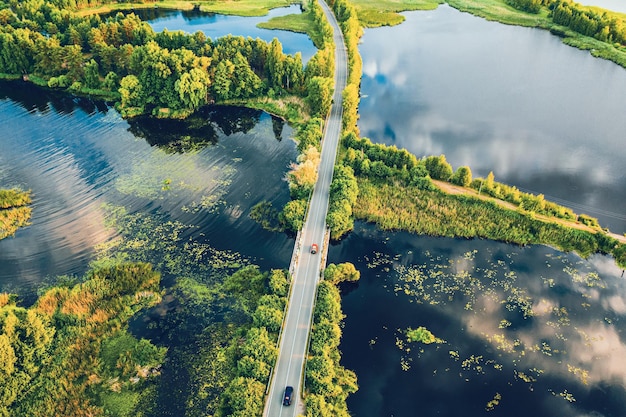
[(516, 101)]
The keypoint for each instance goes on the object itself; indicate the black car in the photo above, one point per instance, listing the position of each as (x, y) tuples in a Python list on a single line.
[(288, 396)]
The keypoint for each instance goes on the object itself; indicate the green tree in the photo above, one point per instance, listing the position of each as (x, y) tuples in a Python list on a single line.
[(249, 367), (438, 168), (342, 272), (193, 88), (131, 92), (244, 397), (292, 216), (320, 95), (222, 80), (110, 81), (462, 177), (350, 106), (92, 76), (279, 282), (259, 345)]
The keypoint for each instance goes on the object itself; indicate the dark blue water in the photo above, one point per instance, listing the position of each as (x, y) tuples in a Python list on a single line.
[(525, 331), (543, 330), (77, 155), (564, 359)]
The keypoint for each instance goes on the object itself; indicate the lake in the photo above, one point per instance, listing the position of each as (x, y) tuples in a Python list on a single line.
[(522, 330), (77, 156), (542, 116), (615, 5), (525, 331)]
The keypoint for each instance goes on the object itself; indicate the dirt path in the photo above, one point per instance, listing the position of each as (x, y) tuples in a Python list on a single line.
[(455, 189)]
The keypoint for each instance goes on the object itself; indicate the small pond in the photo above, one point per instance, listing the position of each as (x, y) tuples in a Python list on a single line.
[(217, 25)]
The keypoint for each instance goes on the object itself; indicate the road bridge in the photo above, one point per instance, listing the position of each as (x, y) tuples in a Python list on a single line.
[(289, 369)]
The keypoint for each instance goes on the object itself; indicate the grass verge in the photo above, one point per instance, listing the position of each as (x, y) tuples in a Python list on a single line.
[(300, 23), (375, 13), (230, 7), (393, 206)]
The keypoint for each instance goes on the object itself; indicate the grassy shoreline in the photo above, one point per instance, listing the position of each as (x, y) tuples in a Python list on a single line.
[(385, 13), (239, 8)]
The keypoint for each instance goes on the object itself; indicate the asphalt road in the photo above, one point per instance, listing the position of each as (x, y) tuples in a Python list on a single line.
[(289, 369)]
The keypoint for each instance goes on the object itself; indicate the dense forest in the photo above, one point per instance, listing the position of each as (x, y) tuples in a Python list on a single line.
[(168, 73), (70, 353)]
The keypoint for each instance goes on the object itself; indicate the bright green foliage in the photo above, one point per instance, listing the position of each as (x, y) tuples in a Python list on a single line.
[(269, 312), (322, 64), (250, 367), (438, 168), (382, 162), (68, 352), (303, 175), (111, 81), (588, 220), (328, 382), (14, 211), (320, 95), (92, 76), (244, 397), (605, 27), (193, 88), (342, 272), (131, 93), (249, 284), (462, 177), (438, 214), (258, 345), (278, 282), (421, 334), (343, 194), (526, 201), (350, 106), (326, 334), (175, 73), (292, 216), (328, 304), (309, 134), (530, 6)]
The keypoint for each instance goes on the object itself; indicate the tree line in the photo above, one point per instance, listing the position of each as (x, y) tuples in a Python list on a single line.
[(604, 26), (328, 383), (395, 189), (166, 73)]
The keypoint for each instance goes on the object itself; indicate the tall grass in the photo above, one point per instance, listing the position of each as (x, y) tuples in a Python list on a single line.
[(14, 211), (394, 206)]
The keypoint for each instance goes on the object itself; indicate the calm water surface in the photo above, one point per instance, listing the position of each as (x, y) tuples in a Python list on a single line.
[(523, 331), (218, 25), (543, 116), (76, 155)]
